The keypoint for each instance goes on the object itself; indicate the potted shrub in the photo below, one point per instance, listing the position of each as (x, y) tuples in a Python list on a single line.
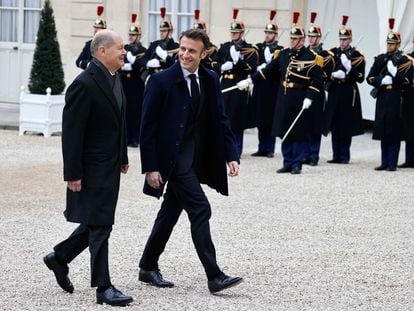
[(41, 107)]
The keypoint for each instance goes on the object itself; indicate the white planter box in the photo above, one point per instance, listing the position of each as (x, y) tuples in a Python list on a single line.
[(41, 113)]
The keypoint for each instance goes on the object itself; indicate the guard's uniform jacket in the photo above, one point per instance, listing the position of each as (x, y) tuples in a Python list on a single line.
[(318, 106), (209, 60), (265, 91), (388, 123), (172, 49), (408, 119), (235, 102), (344, 103), (134, 90), (85, 56), (301, 77)]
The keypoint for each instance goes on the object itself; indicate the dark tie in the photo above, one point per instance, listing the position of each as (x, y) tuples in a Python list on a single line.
[(195, 92)]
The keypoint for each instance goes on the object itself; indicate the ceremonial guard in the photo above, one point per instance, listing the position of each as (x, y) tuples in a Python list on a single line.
[(162, 53), (302, 84), (132, 84), (235, 60), (408, 121), (85, 56), (313, 144), (212, 49), (389, 74), (343, 109), (265, 91)]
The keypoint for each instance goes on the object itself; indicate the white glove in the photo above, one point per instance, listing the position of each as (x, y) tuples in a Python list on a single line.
[(245, 84), (227, 66), (260, 67), (387, 80), (306, 103), (267, 55), (346, 62), (392, 69), (235, 55), (127, 67), (161, 53), (339, 74), (153, 63), (131, 58)]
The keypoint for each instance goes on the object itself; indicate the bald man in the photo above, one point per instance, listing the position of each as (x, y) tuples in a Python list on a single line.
[(94, 154)]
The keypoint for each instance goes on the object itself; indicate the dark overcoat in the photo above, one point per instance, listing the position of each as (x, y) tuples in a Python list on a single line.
[(344, 102), (408, 108), (164, 116), (388, 124), (93, 147)]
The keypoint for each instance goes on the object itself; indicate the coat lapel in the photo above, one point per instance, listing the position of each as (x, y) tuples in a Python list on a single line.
[(99, 77)]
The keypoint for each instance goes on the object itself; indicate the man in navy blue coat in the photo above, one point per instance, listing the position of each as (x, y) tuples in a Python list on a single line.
[(186, 140)]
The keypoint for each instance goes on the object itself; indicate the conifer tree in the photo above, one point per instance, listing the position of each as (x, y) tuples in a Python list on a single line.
[(47, 70)]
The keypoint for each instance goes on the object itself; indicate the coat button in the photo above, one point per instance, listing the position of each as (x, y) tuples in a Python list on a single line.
[(185, 107), (171, 162), (181, 125), (177, 143)]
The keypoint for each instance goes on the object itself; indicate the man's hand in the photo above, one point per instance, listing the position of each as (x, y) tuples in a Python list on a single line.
[(124, 168), (131, 58), (346, 62), (339, 74), (306, 103), (387, 80), (153, 63), (75, 185), (245, 84), (227, 66), (234, 168), (268, 55), (235, 55), (161, 53), (392, 69), (154, 179)]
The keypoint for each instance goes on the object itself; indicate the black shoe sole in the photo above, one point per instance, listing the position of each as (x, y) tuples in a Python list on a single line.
[(148, 281), (213, 291), (116, 304)]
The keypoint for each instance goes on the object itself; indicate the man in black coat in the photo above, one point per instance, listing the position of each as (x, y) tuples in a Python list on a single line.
[(302, 85), (235, 60), (390, 74), (343, 113), (85, 56), (185, 141), (94, 154), (132, 83), (265, 91), (407, 110)]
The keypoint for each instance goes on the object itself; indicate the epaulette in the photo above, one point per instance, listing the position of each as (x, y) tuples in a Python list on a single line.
[(330, 52), (319, 60), (409, 57), (248, 52), (276, 54)]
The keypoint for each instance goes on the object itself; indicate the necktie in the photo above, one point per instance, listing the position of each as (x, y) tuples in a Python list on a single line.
[(195, 92)]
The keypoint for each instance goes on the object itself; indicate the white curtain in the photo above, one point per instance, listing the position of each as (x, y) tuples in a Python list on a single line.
[(31, 20), (9, 18)]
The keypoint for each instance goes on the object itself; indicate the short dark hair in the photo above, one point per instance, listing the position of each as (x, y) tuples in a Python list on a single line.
[(197, 35)]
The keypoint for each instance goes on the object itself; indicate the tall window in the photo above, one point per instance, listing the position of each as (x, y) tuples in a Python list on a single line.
[(180, 12), (19, 20)]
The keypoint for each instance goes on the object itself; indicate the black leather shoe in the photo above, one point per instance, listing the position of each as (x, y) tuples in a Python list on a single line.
[(259, 154), (333, 161), (61, 272), (270, 155), (295, 171), (405, 165), (154, 278), (391, 168), (305, 161), (283, 170), (380, 168), (113, 297), (313, 163), (133, 145), (223, 281)]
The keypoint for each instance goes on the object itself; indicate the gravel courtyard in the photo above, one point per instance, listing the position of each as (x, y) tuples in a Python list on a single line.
[(336, 237)]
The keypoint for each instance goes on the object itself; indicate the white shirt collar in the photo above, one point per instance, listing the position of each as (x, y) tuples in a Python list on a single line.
[(186, 73)]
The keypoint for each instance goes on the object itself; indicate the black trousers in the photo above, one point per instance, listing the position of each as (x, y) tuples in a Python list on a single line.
[(96, 237), (183, 192)]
